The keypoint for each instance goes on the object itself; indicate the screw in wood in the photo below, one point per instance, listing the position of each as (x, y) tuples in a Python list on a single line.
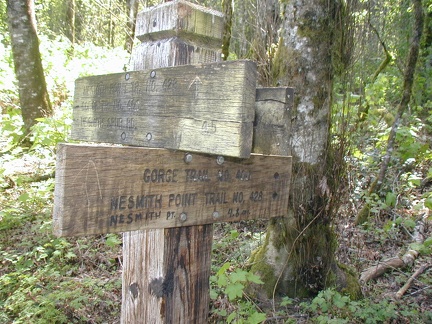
[(149, 136), (215, 215), (220, 160), (127, 76), (183, 217), (188, 158), (152, 74)]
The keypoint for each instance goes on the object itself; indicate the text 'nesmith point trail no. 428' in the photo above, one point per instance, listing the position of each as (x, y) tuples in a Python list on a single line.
[(103, 189)]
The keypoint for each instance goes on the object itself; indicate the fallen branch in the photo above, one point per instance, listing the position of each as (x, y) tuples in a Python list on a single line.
[(405, 287), (396, 262), (30, 179)]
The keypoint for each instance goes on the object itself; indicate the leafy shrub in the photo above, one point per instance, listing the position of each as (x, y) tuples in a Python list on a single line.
[(230, 284)]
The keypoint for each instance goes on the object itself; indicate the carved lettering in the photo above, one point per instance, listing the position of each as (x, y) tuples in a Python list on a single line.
[(256, 196), (186, 199), (169, 84), (136, 202), (170, 215), (193, 175), (243, 175), (214, 198), (117, 219), (238, 197), (223, 175), (208, 127), (160, 175)]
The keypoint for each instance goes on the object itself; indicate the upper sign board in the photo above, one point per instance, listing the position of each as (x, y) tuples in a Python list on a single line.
[(208, 108), (102, 189)]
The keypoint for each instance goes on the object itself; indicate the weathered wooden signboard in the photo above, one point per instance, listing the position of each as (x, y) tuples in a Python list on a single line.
[(101, 189), (185, 108), (211, 116)]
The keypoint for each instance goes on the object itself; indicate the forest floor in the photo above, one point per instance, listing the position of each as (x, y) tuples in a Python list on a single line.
[(360, 248), (78, 280)]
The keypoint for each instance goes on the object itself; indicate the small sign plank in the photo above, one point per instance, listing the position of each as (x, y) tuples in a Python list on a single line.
[(272, 127), (207, 108), (102, 189)]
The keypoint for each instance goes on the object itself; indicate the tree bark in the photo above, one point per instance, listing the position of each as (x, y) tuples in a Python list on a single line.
[(70, 20), (33, 93), (131, 11), (299, 256), (227, 10)]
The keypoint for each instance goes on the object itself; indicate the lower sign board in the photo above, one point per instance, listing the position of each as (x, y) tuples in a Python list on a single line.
[(103, 189)]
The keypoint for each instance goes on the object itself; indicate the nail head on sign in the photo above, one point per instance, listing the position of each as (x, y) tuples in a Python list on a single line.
[(220, 160), (188, 158), (183, 217)]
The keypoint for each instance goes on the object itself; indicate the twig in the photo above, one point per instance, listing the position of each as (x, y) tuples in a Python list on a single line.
[(405, 287)]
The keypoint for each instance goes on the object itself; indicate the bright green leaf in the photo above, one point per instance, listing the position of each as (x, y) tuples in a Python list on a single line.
[(238, 275), (213, 294), (254, 278), (231, 317), (24, 197), (256, 318), (409, 223), (390, 199), (112, 240), (224, 268), (428, 241), (222, 280), (234, 290), (428, 202)]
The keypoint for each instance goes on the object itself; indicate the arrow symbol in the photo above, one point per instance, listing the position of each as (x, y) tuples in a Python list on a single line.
[(195, 86)]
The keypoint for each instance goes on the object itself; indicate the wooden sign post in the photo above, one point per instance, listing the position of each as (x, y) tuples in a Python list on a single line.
[(164, 200)]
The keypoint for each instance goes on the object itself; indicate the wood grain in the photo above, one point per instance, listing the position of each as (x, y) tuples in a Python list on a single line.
[(177, 33), (272, 126), (106, 189), (186, 108), (157, 50)]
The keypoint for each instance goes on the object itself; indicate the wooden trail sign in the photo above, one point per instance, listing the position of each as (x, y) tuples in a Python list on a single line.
[(185, 108), (102, 189)]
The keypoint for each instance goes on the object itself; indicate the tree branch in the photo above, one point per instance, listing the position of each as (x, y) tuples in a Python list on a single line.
[(405, 287)]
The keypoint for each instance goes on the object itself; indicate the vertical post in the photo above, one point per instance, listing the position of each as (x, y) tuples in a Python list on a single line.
[(166, 272)]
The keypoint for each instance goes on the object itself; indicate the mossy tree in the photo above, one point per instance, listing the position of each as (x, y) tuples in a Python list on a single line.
[(298, 257), (33, 92)]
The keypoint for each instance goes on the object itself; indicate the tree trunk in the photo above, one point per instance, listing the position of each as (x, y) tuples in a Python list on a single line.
[(131, 11), (227, 10), (70, 20), (28, 65), (298, 258)]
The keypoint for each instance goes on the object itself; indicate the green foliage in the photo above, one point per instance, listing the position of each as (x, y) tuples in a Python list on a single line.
[(329, 306), (44, 279), (232, 284)]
